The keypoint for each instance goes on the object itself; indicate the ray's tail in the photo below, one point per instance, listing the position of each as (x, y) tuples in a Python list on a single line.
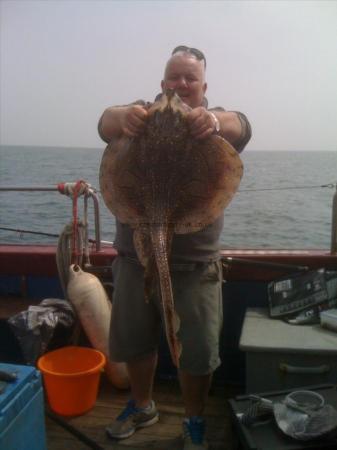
[(171, 318)]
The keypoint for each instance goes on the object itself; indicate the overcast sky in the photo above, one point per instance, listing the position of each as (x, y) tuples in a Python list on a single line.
[(63, 62)]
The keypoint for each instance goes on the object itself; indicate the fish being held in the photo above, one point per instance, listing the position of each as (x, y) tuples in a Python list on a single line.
[(164, 182)]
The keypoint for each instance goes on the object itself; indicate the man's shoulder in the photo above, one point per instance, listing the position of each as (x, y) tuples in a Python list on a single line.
[(246, 132), (216, 108)]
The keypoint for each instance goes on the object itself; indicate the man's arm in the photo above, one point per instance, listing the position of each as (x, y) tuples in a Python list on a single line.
[(110, 123), (131, 119), (122, 120), (234, 127)]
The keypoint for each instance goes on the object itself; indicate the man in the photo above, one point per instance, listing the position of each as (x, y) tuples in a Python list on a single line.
[(195, 266)]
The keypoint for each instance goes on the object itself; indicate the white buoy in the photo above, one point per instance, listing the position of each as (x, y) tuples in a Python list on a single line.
[(87, 294)]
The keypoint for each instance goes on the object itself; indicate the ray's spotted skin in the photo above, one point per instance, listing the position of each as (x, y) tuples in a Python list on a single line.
[(164, 182)]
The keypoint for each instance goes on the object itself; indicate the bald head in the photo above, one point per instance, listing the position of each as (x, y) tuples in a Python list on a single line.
[(186, 55), (185, 73)]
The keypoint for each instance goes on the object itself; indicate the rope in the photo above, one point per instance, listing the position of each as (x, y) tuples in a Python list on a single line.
[(64, 252), (73, 241), (80, 187), (259, 409), (74, 190)]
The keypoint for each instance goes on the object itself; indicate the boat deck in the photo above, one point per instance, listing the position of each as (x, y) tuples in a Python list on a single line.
[(164, 435)]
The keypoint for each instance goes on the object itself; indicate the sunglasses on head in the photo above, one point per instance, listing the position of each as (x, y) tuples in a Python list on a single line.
[(194, 51)]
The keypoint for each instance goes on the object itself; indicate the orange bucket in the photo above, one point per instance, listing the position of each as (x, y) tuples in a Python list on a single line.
[(71, 377)]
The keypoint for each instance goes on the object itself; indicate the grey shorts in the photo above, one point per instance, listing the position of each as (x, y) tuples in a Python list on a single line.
[(136, 326)]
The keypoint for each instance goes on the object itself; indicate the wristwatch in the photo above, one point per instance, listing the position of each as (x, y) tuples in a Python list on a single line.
[(216, 122)]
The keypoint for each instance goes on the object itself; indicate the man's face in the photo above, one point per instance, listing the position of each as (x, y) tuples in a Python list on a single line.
[(186, 75)]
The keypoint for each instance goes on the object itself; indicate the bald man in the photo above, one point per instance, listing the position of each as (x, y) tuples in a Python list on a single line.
[(195, 265)]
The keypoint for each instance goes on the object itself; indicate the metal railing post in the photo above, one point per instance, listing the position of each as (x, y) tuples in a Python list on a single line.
[(97, 220), (333, 248)]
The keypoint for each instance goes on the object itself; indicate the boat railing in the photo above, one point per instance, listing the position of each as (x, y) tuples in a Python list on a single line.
[(88, 191), (73, 190)]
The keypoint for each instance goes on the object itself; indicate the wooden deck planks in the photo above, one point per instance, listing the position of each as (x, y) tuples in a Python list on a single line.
[(164, 435)]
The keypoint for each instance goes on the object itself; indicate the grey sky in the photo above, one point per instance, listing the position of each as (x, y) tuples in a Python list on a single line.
[(63, 62)]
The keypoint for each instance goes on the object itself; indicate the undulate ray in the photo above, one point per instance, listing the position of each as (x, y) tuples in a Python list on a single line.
[(165, 182)]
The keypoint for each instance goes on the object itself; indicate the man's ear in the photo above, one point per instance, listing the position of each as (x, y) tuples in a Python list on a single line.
[(204, 87), (162, 84)]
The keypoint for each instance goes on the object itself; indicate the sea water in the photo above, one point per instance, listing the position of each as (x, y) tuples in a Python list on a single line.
[(284, 200)]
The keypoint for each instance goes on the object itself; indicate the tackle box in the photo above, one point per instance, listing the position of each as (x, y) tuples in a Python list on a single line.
[(266, 435), (280, 355), (22, 422)]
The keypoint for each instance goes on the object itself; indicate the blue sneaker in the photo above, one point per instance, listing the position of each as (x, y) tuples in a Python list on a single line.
[(194, 433), (132, 418)]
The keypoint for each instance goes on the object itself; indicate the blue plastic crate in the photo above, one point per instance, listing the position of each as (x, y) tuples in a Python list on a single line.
[(22, 422)]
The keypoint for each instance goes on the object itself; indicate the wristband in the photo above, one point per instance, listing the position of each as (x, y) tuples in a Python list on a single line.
[(216, 122)]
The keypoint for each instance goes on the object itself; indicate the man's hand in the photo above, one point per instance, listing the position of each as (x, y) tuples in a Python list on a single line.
[(134, 120), (202, 123)]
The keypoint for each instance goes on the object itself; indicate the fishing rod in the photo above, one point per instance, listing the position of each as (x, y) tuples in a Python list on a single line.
[(288, 188), (42, 233)]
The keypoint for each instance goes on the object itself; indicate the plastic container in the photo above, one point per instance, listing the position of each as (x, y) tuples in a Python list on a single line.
[(71, 377), (329, 319), (22, 410)]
